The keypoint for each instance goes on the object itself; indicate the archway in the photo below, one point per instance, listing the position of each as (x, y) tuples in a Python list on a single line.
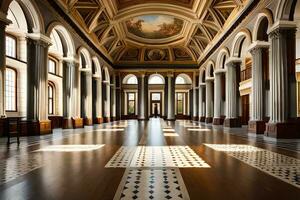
[(183, 84), (157, 95)]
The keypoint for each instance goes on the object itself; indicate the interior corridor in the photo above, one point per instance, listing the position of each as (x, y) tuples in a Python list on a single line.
[(153, 159)]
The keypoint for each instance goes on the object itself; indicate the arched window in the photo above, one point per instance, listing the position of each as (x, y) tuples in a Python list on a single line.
[(52, 66), (11, 46), (50, 99), (156, 79), (180, 80), (132, 80), (10, 90)]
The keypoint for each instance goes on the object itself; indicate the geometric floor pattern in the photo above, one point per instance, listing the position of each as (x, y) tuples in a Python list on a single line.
[(280, 166), (150, 184), (16, 166), (156, 156)]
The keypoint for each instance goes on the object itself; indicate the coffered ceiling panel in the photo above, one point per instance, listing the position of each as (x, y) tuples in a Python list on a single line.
[(153, 31)]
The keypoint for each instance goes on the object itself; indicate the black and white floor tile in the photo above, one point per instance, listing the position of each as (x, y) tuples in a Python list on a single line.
[(156, 156), (152, 184), (280, 166), (16, 166)]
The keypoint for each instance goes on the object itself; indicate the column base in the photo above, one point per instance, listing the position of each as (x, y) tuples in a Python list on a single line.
[(77, 122), (88, 121), (232, 122), (285, 130), (113, 119), (67, 123), (208, 120), (35, 127), (45, 127), (98, 120), (195, 118), (202, 119), (257, 127), (218, 121), (106, 119)]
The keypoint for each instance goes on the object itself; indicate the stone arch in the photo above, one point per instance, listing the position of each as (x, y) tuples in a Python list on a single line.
[(127, 77), (105, 74), (156, 75), (96, 67), (240, 38), (34, 19), (83, 53), (210, 69), (187, 79), (285, 10), (202, 75), (222, 57), (65, 36), (265, 16)]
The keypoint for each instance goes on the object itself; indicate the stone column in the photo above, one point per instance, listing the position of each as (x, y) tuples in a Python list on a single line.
[(97, 98), (106, 100), (209, 103), (201, 101), (282, 82), (3, 24), (171, 97), (195, 100), (37, 84), (256, 123), (232, 107), (218, 98), (143, 97), (86, 96), (70, 86), (113, 99)]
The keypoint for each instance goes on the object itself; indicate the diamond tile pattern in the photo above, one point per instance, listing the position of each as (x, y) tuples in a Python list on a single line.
[(152, 184), (280, 166), (16, 166), (157, 156)]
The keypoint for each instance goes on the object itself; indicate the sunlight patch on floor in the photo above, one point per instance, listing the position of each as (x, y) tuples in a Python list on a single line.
[(70, 148)]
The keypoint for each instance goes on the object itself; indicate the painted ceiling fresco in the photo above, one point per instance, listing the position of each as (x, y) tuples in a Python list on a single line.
[(135, 32), (154, 26)]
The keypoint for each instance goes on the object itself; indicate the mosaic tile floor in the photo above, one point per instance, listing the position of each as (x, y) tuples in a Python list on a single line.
[(280, 166), (156, 156), (19, 165), (152, 184)]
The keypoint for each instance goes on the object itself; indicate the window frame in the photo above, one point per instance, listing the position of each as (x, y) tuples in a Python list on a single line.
[(16, 47), (16, 88), (182, 102), (51, 84), (51, 58), (128, 100)]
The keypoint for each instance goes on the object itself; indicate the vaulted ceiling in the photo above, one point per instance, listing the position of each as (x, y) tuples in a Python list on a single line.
[(141, 32)]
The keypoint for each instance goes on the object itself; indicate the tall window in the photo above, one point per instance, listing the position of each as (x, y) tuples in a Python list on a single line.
[(50, 99), (131, 103), (179, 98), (10, 90), (156, 79), (51, 66), (11, 46), (132, 80)]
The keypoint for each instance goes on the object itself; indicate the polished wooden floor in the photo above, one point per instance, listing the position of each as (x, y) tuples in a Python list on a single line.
[(42, 169)]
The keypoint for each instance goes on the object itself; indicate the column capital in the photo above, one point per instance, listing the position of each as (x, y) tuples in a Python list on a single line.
[(257, 45), (209, 79), (70, 60), (282, 25), (202, 84), (219, 71), (40, 38), (233, 61)]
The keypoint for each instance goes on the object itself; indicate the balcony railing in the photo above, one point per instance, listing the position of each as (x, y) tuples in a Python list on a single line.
[(246, 74)]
